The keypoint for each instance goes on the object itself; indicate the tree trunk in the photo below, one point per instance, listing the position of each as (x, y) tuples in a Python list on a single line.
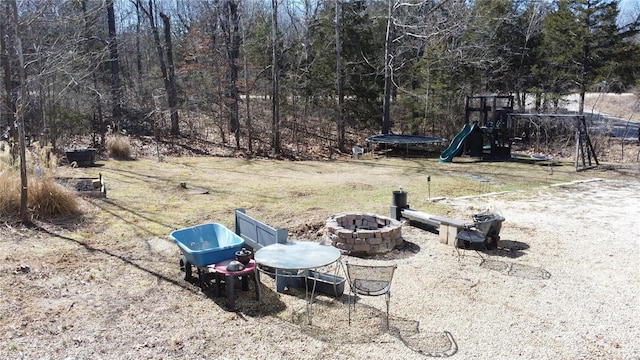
[(8, 87), (24, 213), (167, 76), (306, 77), (98, 119), (275, 100), (116, 89), (221, 110), (387, 73), (138, 51), (340, 92), (247, 92), (232, 40), (170, 81)]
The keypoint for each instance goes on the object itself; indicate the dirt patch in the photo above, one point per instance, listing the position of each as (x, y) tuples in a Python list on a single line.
[(561, 284)]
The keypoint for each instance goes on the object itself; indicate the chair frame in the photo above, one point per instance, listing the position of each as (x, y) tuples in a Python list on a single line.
[(383, 289), (477, 233), (357, 151)]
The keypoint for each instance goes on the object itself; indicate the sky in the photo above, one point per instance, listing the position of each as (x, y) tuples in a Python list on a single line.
[(629, 9), (629, 5)]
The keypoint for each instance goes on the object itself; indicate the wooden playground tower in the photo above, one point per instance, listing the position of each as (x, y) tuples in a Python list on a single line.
[(490, 115), (497, 127)]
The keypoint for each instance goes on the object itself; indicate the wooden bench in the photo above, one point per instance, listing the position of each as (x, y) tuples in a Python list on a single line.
[(450, 228)]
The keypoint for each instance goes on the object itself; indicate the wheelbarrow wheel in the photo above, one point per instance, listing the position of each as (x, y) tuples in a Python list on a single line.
[(185, 268)]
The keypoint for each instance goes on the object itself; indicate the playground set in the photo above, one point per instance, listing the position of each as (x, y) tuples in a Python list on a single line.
[(491, 126), (486, 133)]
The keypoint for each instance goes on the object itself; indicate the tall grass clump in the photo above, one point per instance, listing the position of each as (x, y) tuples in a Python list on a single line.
[(48, 199), (9, 193), (45, 199), (119, 147)]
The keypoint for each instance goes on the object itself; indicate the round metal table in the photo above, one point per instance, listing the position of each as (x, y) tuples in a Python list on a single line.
[(295, 255), (295, 259)]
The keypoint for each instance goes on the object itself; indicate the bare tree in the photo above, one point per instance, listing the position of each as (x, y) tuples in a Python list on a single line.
[(6, 31), (98, 117), (165, 58), (230, 28), (116, 90), (247, 90), (339, 90), (275, 74), (21, 103), (386, 102), (138, 50), (170, 82)]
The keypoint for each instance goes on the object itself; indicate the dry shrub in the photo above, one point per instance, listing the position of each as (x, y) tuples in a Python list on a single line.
[(6, 161), (9, 193), (44, 157), (45, 197), (37, 157), (119, 147)]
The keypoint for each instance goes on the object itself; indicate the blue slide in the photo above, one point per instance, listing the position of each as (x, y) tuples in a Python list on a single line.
[(448, 153)]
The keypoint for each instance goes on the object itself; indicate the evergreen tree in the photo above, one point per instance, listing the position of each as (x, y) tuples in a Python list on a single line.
[(362, 52), (583, 46)]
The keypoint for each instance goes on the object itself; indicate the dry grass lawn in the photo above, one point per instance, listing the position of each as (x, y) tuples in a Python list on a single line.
[(563, 283)]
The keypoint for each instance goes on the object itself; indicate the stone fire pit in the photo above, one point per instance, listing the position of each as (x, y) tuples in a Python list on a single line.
[(363, 233)]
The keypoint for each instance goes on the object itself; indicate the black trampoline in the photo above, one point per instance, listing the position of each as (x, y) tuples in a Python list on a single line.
[(395, 139), (400, 139)]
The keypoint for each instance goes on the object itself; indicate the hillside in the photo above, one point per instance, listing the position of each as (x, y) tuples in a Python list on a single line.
[(625, 106)]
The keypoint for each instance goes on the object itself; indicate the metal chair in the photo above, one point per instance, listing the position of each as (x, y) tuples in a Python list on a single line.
[(484, 231), (368, 280), (357, 151)]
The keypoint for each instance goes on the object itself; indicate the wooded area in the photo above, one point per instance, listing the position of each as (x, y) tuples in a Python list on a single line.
[(267, 76)]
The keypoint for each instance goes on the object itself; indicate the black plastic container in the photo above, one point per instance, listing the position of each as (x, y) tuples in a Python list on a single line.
[(243, 256), (327, 284), (81, 157)]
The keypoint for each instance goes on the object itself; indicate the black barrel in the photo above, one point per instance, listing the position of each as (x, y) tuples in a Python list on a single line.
[(400, 199)]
